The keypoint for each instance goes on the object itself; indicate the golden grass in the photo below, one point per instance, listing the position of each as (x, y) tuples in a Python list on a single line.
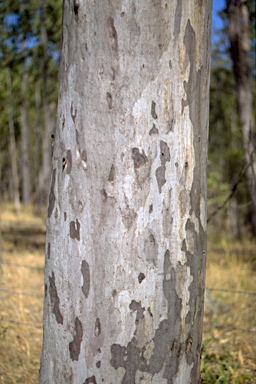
[(21, 315)]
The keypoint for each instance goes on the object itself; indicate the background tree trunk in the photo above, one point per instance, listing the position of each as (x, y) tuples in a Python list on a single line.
[(49, 116), (126, 228), (25, 147), (12, 145), (239, 35)]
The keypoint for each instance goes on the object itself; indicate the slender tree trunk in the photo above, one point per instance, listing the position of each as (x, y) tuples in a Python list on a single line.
[(12, 145), (25, 147), (49, 118), (239, 35), (126, 228)]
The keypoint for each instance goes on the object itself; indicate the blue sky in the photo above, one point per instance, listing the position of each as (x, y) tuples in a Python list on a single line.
[(217, 5)]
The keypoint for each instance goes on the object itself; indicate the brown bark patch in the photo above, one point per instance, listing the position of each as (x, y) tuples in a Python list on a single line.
[(74, 346), (52, 197), (85, 269), (55, 301)]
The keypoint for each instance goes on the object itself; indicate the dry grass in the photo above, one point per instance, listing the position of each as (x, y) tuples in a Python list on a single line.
[(21, 315)]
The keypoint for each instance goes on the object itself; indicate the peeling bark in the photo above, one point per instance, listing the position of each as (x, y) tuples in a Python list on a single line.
[(127, 207)]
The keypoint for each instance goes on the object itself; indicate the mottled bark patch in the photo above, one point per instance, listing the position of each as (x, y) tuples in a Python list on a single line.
[(52, 197), (97, 328), (69, 161), (164, 157), (129, 358), (90, 380), (136, 307), (168, 350), (55, 301), (73, 113), (153, 110), (112, 33), (153, 131), (85, 269), (74, 230), (139, 159), (74, 346), (150, 247)]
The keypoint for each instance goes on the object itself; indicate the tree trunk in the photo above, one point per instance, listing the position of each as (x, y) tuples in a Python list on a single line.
[(12, 145), (239, 35), (25, 148), (126, 227)]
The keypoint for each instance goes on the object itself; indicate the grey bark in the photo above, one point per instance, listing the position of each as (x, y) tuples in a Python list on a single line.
[(126, 227), (12, 145), (239, 35)]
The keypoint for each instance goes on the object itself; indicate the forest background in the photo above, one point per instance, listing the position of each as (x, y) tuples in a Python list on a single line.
[(30, 38)]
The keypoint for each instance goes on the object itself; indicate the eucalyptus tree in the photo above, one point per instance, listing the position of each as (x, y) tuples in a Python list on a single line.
[(126, 227)]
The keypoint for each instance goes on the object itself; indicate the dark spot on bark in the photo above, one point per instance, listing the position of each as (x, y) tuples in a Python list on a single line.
[(45, 290), (112, 33), (151, 208), (170, 64), (136, 307), (65, 216), (176, 164), (97, 328), (74, 346), (84, 155), (90, 380), (164, 157), (55, 301), (73, 113), (114, 293), (69, 161), (186, 164), (98, 364), (139, 159), (109, 99), (63, 122), (149, 311), (104, 195), (141, 277), (52, 194), (153, 131), (153, 110), (112, 172), (85, 270), (49, 250), (122, 14), (64, 163), (177, 19), (74, 230), (76, 7)]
